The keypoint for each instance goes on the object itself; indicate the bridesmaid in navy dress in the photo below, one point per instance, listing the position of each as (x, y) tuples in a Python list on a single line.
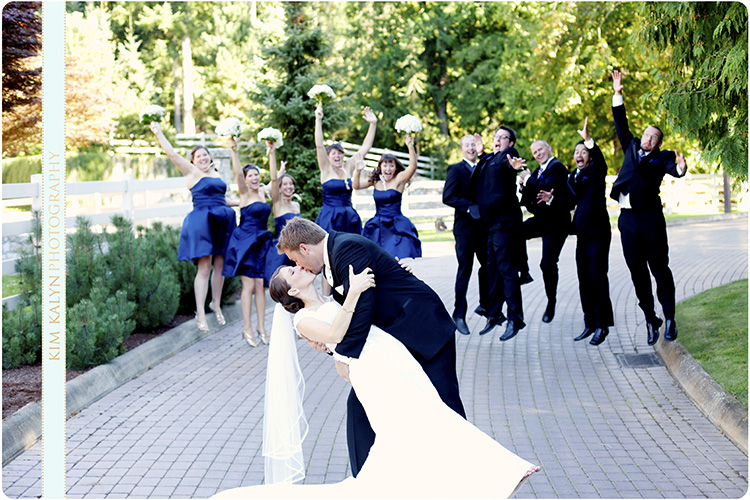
[(337, 212), (389, 228), (247, 249), (284, 208), (207, 229)]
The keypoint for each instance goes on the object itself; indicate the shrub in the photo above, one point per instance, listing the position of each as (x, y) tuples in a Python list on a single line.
[(96, 328), (148, 279), (22, 334), (21, 169), (84, 261), (29, 263)]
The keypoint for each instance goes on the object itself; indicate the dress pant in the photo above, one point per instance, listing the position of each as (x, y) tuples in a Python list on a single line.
[(554, 232), (644, 244), (592, 264), (503, 260), (440, 369), (471, 239)]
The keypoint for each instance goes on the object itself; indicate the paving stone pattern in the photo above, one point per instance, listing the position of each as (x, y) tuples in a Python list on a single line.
[(192, 426)]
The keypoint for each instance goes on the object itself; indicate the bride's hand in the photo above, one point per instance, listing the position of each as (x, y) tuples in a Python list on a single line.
[(358, 283)]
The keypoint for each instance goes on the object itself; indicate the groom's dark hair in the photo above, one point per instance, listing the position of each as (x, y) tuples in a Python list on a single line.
[(298, 231)]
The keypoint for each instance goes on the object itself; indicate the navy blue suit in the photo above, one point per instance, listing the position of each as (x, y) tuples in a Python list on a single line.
[(493, 185), (405, 307), (643, 229), (470, 234), (592, 228), (550, 222)]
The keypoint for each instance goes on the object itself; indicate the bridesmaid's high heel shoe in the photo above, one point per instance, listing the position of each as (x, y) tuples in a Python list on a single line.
[(249, 337), (263, 337), (201, 324), (219, 317)]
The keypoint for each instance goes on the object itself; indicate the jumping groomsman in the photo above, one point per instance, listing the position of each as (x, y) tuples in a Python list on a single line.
[(469, 231), (550, 220), (642, 227), (494, 187)]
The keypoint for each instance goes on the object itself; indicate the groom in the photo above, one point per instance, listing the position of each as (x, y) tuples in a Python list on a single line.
[(400, 303)]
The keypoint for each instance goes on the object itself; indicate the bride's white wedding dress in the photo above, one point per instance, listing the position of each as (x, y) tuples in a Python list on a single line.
[(422, 448)]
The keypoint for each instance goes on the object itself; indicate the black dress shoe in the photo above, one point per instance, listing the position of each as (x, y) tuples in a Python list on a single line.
[(549, 312), (586, 332), (510, 331), (492, 323), (653, 330), (599, 335), (526, 278), (480, 311), (461, 326), (670, 330)]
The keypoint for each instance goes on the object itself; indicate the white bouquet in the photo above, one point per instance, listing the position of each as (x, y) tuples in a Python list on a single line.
[(321, 93), (408, 124), (229, 127), (271, 134), (152, 113)]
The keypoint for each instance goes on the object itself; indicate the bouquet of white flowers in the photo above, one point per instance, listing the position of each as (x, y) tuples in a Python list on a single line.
[(152, 113), (229, 127), (408, 124), (321, 93), (271, 134)]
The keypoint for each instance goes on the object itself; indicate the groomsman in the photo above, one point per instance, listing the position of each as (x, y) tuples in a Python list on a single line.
[(643, 229), (469, 231), (550, 220), (493, 185)]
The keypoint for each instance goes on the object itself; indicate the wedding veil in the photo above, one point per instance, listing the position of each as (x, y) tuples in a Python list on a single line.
[(284, 422)]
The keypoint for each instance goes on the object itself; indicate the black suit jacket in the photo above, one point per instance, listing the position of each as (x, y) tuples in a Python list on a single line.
[(642, 176), (456, 192), (493, 185), (401, 304), (589, 188), (555, 177)]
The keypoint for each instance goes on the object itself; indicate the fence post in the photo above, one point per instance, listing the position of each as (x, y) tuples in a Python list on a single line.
[(36, 201), (128, 197)]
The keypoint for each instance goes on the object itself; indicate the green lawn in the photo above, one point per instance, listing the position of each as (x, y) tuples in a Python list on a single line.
[(11, 285), (713, 327)]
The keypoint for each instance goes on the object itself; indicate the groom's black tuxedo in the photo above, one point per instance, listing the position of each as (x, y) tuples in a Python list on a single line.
[(405, 307)]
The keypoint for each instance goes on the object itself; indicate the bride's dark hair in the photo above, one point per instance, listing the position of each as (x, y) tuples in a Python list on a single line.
[(278, 289)]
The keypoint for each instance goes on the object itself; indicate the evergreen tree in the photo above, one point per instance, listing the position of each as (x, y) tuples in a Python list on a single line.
[(703, 89)]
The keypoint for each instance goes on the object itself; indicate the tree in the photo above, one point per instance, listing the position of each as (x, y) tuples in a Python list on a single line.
[(703, 88), (22, 77)]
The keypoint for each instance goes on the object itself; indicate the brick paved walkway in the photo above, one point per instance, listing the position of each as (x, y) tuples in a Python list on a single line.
[(192, 425)]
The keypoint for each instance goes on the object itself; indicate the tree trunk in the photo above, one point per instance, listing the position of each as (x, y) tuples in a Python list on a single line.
[(187, 86), (727, 193), (177, 101)]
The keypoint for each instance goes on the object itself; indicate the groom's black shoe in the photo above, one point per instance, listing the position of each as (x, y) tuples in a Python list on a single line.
[(549, 312), (586, 332), (599, 335), (653, 330), (492, 323), (510, 331), (461, 326)]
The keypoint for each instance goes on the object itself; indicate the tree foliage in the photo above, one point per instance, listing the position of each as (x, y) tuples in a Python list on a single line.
[(703, 86), (22, 78)]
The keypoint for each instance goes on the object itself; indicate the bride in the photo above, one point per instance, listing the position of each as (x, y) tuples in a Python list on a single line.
[(422, 448)]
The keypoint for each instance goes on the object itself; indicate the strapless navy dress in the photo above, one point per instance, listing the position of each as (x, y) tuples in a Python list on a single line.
[(337, 212), (274, 259), (207, 229), (390, 229), (248, 247)]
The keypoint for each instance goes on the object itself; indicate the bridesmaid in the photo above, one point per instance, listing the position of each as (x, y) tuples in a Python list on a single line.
[(389, 228), (207, 229), (337, 212), (284, 208), (247, 249)]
